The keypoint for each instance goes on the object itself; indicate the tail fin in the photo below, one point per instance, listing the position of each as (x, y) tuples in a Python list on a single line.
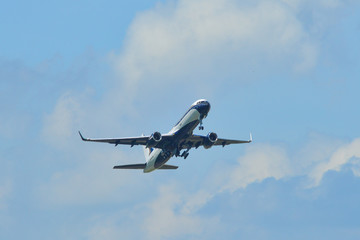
[(147, 151)]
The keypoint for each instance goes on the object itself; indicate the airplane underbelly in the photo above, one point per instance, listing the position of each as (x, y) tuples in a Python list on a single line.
[(184, 127), (163, 157), (159, 158)]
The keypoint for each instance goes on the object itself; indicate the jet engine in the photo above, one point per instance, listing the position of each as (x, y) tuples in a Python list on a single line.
[(154, 139), (210, 140)]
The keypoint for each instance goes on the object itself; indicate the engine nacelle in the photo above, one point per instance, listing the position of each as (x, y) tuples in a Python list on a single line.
[(210, 140), (154, 139)]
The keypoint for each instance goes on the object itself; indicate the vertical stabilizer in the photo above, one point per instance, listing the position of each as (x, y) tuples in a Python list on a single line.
[(147, 151)]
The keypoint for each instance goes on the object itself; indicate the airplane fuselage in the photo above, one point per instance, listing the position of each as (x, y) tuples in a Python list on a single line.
[(184, 128)]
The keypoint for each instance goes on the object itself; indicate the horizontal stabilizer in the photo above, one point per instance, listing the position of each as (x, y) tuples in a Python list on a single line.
[(131, 166), (142, 166), (168, 167)]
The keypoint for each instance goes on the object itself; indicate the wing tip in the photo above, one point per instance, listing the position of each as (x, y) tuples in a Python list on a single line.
[(250, 140), (82, 138)]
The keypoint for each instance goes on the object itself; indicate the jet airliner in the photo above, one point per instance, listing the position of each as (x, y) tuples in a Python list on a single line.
[(159, 148)]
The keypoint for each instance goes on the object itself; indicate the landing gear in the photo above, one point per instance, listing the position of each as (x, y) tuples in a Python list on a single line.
[(177, 152), (185, 154), (201, 127)]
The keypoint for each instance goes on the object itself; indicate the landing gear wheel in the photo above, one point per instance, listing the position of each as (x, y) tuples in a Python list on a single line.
[(201, 124), (177, 153)]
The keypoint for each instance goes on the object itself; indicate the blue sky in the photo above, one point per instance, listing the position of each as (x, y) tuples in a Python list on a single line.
[(288, 71)]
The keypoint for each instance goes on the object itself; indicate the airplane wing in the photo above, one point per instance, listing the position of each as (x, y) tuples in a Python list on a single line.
[(197, 140), (223, 142), (142, 166), (129, 141)]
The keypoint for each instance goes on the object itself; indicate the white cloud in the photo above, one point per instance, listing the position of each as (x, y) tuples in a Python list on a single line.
[(197, 201), (188, 35), (356, 167), (105, 230), (174, 212), (91, 180), (339, 158), (111, 228), (181, 37), (312, 160), (166, 217), (331, 3), (60, 125), (296, 4), (162, 216), (260, 162)]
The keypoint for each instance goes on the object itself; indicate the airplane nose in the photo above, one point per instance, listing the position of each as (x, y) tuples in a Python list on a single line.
[(204, 108), (207, 106)]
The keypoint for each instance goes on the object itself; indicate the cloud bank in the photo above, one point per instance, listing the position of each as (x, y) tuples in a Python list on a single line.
[(191, 36), (175, 206)]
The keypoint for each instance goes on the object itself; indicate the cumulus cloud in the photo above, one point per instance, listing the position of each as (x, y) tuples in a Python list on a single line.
[(187, 35), (175, 209), (356, 167), (263, 161), (197, 201), (61, 123), (260, 162), (167, 217), (174, 212), (339, 158), (90, 180), (161, 216), (181, 37), (109, 228)]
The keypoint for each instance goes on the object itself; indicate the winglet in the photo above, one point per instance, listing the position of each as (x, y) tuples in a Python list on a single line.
[(250, 138), (84, 139)]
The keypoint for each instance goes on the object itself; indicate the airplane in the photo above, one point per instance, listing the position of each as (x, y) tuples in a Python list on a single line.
[(159, 148)]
